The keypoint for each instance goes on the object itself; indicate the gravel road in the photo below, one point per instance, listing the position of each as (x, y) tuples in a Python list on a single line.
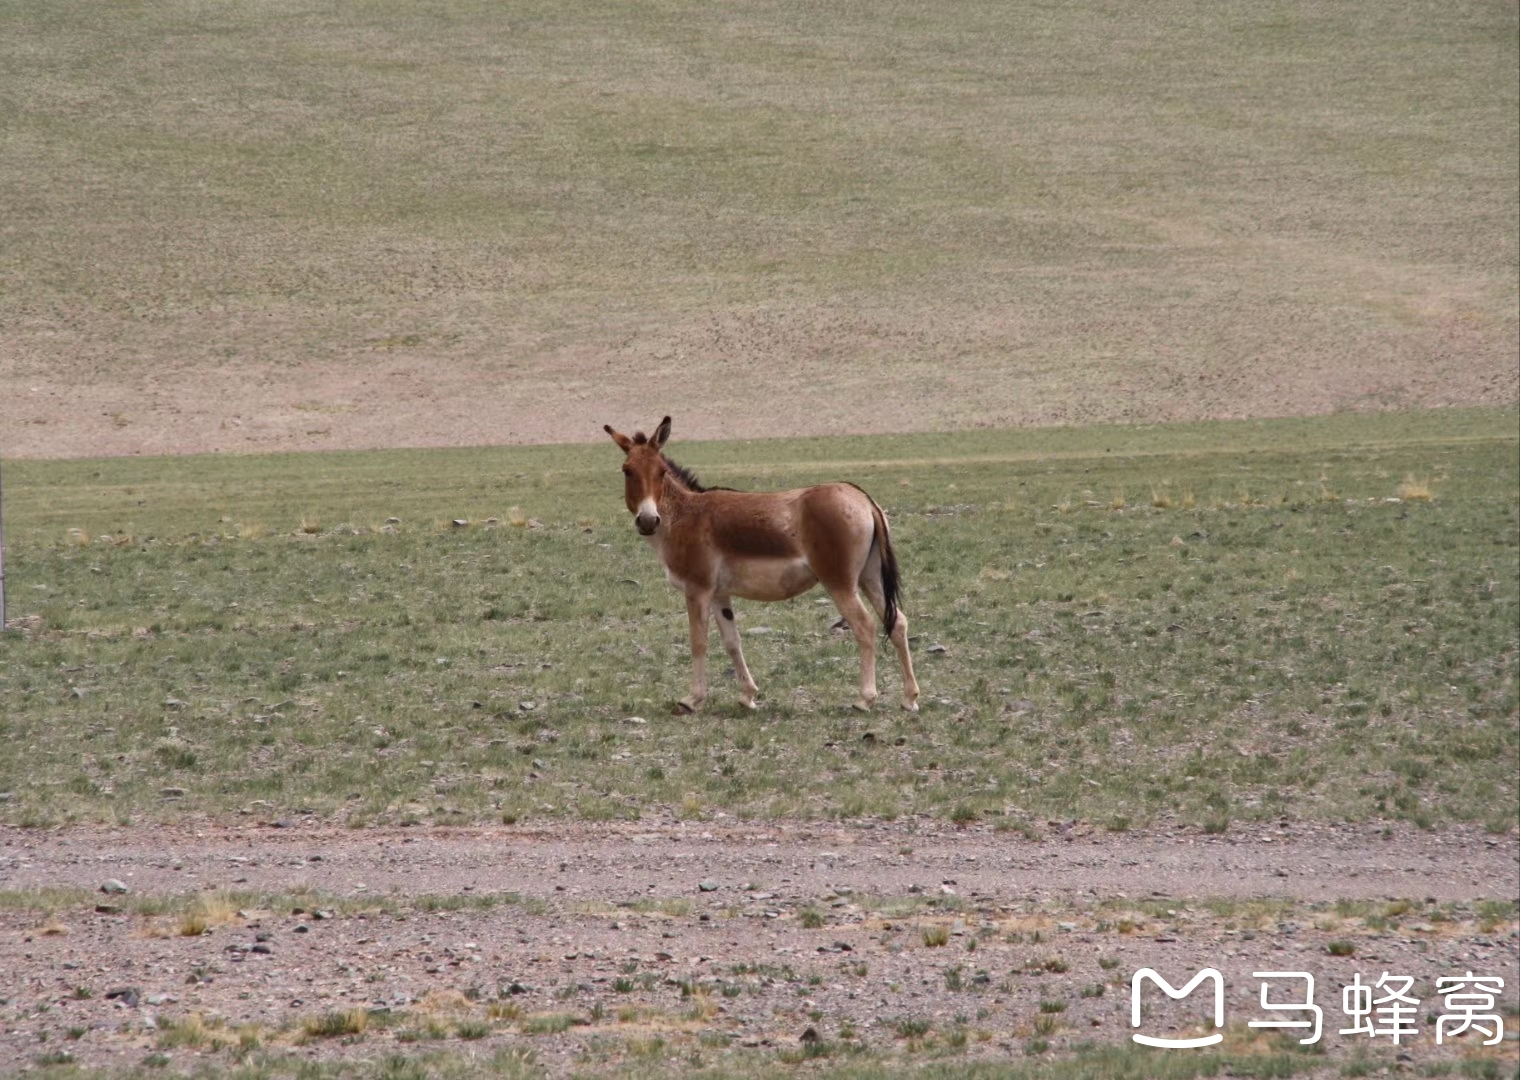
[(718, 938)]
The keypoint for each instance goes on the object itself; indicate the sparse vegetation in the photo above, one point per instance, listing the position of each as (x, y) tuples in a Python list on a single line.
[(972, 218), (1109, 675), (763, 193)]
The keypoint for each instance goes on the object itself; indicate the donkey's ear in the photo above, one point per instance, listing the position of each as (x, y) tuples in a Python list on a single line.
[(661, 434), (623, 441)]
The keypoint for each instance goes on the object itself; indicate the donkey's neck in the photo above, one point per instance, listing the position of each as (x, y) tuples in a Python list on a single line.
[(683, 478)]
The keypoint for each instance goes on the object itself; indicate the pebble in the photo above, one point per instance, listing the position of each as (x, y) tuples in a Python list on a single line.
[(114, 887)]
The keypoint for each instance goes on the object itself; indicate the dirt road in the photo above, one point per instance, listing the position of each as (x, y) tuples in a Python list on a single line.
[(588, 943)]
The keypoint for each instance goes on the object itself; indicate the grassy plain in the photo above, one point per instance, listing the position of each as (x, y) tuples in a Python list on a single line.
[(378, 224), (1313, 619)]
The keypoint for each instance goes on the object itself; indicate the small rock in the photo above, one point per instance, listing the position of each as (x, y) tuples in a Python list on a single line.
[(809, 1037), (708, 886), (113, 887), (127, 995), (172, 792), (158, 999), (938, 648)]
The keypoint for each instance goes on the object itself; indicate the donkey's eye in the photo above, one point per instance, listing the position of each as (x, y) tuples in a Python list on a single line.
[(627, 470)]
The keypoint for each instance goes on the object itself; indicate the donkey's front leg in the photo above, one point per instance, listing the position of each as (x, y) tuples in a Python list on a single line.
[(697, 607)]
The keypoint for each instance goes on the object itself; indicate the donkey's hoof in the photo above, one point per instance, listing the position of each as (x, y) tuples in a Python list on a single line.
[(683, 708), (749, 703), (910, 706), (862, 705)]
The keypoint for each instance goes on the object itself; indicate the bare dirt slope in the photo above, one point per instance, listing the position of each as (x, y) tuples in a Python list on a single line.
[(778, 928), (414, 398)]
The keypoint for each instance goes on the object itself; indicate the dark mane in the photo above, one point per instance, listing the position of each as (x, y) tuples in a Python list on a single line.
[(689, 478)]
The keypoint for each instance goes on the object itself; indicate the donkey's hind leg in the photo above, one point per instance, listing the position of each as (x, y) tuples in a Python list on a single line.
[(730, 635), (870, 585), (864, 628)]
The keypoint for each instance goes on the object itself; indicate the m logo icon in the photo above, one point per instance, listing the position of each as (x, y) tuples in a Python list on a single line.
[(1166, 988)]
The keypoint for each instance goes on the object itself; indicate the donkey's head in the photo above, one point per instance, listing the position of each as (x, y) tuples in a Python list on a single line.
[(644, 470)]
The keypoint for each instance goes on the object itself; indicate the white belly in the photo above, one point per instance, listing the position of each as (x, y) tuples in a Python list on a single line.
[(765, 579)]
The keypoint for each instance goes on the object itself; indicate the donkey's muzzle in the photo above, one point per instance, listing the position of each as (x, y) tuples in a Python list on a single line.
[(647, 524)]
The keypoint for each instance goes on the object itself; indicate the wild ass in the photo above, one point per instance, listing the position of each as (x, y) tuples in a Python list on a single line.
[(716, 544)]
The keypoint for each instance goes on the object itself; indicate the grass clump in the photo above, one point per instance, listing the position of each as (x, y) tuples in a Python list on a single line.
[(337, 1024)]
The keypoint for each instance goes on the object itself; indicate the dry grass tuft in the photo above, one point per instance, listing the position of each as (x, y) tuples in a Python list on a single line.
[(435, 1002), (336, 1024), (210, 911), (1415, 490)]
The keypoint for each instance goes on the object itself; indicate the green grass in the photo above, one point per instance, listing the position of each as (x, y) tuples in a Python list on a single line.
[(1294, 643), (982, 214)]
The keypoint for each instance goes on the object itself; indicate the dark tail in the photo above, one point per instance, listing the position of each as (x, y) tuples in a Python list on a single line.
[(891, 580)]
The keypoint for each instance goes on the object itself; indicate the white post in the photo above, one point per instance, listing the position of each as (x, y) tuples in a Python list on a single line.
[(2, 557)]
